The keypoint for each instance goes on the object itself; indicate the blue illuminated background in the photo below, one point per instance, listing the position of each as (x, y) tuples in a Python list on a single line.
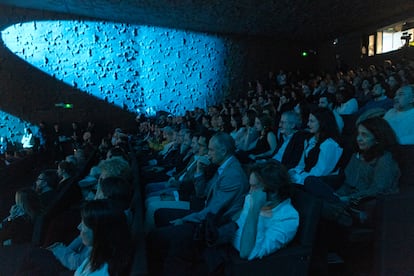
[(135, 67), (141, 69), (12, 127)]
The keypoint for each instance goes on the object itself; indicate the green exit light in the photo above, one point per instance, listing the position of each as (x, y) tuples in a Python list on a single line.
[(64, 105), (304, 54)]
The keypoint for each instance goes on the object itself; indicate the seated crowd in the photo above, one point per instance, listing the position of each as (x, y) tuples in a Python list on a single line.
[(215, 183)]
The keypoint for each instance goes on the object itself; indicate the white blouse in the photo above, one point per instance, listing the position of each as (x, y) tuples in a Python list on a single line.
[(328, 158), (84, 270)]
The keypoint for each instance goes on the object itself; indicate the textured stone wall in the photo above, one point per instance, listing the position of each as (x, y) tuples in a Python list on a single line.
[(133, 67), (109, 71)]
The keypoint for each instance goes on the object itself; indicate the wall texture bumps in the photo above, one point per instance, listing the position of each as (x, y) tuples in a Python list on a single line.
[(138, 68), (109, 71)]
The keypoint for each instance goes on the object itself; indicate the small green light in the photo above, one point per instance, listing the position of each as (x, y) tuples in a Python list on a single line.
[(68, 105), (304, 54)]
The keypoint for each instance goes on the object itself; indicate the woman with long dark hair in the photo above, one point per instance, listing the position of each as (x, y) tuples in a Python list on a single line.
[(322, 151), (372, 171), (104, 228), (265, 145)]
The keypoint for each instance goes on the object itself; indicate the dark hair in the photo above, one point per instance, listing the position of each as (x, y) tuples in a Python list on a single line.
[(347, 91), (329, 97), (251, 115), (226, 127), (204, 133), (67, 167), (270, 109), (50, 177), (328, 127), (116, 188), (238, 118), (385, 137), (397, 78), (305, 110), (266, 122), (274, 177), (378, 79), (191, 124), (111, 236), (30, 202)]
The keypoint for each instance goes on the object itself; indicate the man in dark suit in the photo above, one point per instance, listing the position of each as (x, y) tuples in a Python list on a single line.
[(224, 192), (290, 141)]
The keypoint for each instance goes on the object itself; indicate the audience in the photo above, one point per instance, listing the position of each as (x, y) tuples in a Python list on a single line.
[(322, 151), (175, 193), (224, 194), (290, 141), (401, 117), (327, 101), (379, 98), (60, 257), (104, 228), (245, 141), (65, 171), (363, 94), (265, 145), (18, 226), (372, 171), (277, 125), (347, 104), (268, 220), (45, 186)]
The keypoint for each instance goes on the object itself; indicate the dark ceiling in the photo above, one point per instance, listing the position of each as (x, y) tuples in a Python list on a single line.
[(306, 20)]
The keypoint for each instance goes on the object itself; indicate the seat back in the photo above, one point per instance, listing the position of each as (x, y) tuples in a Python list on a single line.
[(394, 242), (405, 159), (309, 209)]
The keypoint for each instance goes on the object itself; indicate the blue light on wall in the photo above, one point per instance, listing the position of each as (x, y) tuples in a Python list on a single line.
[(12, 127), (139, 68)]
